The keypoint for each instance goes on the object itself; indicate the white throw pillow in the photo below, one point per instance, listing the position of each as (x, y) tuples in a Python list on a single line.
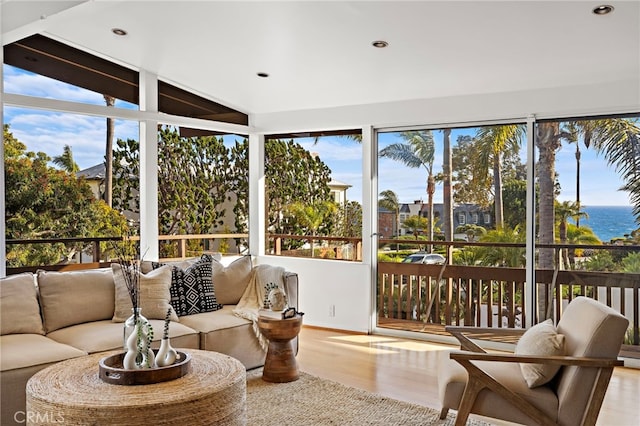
[(540, 340)]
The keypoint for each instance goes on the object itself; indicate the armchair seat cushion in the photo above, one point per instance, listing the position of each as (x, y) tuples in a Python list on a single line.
[(452, 378)]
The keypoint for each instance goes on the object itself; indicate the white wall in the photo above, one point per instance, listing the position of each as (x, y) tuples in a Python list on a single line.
[(622, 96), (323, 283)]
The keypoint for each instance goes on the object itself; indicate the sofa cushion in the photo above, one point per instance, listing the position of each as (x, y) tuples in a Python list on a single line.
[(192, 290), (19, 308), (75, 297), (231, 281), (540, 340), (25, 350), (154, 294), (218, 320), (107, 335)]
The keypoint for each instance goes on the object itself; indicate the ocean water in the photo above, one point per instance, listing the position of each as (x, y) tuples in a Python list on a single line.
[(609, 222)]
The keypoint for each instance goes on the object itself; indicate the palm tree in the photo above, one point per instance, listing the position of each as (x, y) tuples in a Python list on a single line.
[(446, 187), (548, 141), (492, 143), (574, 131), (418, 150), (619, 141), (579, 235), (108, 173), (65, 161), (616, 139), (416, 224), (389, 200), (564, 211), (312, 216)]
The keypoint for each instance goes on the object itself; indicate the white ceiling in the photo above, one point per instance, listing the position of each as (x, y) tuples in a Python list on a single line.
[(319, 54)]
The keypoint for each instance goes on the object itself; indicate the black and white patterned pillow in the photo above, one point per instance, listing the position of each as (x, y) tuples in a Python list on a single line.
[(192, 290)]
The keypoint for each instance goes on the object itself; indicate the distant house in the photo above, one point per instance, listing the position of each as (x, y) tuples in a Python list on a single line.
[(339, 191), (386, 223), (95, 178), (462, 214)]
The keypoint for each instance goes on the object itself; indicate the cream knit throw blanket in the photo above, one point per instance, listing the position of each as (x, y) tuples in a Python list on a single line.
[(264, 278)]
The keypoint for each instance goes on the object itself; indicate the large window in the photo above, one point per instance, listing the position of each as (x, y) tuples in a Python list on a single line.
[(77, 176), (314, 195), (588, 203), (56, 186), (447, 178)]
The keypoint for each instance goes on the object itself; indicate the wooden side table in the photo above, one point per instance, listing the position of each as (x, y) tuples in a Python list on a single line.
[(280, 366), (71, 393)]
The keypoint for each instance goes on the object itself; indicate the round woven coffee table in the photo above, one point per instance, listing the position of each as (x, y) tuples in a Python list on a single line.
[(72, 393)]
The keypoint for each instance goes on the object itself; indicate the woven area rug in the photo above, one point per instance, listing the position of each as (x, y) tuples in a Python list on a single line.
[(315, 401)]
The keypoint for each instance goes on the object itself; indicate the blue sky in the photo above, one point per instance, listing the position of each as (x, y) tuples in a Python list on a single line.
[(49, 132)]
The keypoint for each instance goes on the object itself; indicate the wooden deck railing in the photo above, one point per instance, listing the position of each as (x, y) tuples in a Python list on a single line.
[(429, 297)]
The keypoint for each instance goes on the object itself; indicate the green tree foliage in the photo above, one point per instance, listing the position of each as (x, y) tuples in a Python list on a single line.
[(311, 215), (492, 144), (126, 183), (466, 189), (471, 230), (631, 263), (349, 220), (417, 151), (44, 203), (292, 174), (199, 179), (239, 185), (502, 256), (514, 196), (195, 182), (65, 161), (416, 224)]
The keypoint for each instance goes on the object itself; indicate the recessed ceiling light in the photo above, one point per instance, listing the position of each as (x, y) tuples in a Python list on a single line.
[(262, 74), (119, 31), (380, 44), (603, 9)]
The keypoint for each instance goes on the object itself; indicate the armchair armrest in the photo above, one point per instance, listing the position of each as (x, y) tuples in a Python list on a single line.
[(562, 360)]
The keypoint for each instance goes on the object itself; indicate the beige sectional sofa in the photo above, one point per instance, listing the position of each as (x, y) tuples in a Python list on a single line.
[(48, 317)]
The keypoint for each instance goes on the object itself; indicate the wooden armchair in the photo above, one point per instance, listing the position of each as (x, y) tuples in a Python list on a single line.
[(489, 384)]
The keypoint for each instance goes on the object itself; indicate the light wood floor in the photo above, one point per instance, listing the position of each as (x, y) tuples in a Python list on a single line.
[(405, 370)]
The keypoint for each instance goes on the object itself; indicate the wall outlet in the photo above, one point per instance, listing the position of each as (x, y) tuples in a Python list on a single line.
[(332, 310)]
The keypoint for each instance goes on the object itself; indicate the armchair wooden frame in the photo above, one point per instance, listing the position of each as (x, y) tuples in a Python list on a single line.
[(479, 379)]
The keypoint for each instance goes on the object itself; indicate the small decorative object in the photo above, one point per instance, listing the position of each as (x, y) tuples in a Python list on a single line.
[(112, 371), (291, 313), (277, 299), (138, 332), (166, 354), (139, 354), (130, 324)]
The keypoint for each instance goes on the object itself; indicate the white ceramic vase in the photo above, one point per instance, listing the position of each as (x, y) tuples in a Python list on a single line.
[(166, 354), (139, 354)]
